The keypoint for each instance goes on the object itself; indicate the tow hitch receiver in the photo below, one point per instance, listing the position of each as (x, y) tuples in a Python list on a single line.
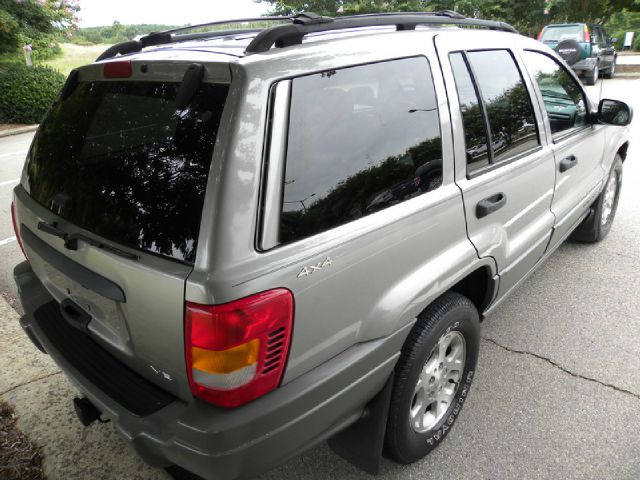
[(86, 411)]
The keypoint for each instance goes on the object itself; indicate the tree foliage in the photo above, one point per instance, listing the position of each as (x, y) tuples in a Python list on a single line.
[(40, 23), (27, 92), (528, 16), (114, 33)]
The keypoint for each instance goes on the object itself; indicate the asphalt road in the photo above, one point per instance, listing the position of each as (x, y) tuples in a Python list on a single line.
[(557, 393)]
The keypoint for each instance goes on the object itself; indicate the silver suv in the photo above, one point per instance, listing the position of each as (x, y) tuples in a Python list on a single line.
[(243, 242)]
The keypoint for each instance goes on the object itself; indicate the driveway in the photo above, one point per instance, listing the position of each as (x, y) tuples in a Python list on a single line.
[(556, 394)]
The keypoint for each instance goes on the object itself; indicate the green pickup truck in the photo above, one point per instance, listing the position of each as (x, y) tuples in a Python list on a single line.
[(586, 48)]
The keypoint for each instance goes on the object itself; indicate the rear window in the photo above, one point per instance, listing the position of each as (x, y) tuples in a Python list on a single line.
[(129, 165), (565, 32)]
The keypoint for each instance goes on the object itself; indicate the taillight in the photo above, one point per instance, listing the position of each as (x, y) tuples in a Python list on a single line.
[(587, 35), (540, 35), (15, 228), (237, 351), (118, 69)]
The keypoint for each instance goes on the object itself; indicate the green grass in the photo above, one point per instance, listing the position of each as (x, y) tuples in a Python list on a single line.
[(75, 56)]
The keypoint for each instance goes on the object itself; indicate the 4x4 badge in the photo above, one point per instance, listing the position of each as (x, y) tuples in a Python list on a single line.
[(306, 271)]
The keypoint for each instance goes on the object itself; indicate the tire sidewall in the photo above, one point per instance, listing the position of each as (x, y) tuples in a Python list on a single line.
[(616, 169), (416, 445)]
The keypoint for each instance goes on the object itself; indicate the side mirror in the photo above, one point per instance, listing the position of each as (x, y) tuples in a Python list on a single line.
[(614, 112)]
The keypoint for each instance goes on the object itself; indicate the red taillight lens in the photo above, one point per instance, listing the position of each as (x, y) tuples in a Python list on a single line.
[(587, 35), (117, 69), (540, 35), (237, 351), (15, 228)]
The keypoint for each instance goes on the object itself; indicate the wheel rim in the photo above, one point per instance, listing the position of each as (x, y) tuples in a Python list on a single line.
[(609, 199), (438, 382)]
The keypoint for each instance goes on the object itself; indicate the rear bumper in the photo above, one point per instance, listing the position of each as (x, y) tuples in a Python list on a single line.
[(217, 443), (584, 66)]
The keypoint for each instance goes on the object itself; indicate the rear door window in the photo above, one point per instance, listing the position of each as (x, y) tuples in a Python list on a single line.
[(360, 140), (505, 107), (129, 166)]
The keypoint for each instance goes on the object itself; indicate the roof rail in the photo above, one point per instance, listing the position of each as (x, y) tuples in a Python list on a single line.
[(167, 36), (292, 34), (301, 25)]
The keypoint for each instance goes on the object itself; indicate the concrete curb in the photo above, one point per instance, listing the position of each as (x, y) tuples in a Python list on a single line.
[(18, 131)]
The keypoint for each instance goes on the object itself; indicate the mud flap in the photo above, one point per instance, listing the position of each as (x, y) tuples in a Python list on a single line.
[(361, 444)]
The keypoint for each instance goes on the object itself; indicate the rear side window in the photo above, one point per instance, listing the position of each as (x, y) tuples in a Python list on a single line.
[(129, 166), (360, 139), (506, 105)]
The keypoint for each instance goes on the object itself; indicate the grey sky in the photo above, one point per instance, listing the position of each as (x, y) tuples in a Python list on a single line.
[(168, 12)]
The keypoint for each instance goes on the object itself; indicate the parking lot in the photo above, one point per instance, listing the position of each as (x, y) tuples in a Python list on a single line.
[(557, 393)]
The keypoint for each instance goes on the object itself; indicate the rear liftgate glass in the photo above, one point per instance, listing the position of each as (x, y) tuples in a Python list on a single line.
[(121, 159)]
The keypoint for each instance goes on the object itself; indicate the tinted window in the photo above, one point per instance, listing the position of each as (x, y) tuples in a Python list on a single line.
[(133, 167), (563, 97), (360, 140), (475, 132), (507, 103)]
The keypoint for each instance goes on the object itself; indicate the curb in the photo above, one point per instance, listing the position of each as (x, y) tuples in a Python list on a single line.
[(18, 131)]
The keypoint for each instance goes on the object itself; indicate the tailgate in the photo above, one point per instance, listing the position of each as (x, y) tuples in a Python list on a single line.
[(109, 209)]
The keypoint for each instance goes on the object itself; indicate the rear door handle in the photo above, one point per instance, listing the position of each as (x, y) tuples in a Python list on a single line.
[(490, 204), (567, 163)]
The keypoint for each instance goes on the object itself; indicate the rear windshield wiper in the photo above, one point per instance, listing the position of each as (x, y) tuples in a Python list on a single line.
[(71, 240)]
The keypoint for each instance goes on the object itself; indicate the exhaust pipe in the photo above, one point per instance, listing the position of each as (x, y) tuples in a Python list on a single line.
[(86, 411)]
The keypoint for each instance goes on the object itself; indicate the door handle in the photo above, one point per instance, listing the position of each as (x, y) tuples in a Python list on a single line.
[(490, 204), (567, 163)]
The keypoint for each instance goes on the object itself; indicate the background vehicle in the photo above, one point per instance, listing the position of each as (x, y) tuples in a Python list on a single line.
[(587, 48), (234, 251)]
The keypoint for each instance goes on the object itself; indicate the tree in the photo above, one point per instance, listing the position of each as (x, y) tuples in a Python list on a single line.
[(528, 16), (41, 23)]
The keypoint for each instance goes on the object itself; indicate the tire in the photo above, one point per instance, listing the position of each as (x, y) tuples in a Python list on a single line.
[(449, 326), (611, 71), (592, 76), (598, 224)]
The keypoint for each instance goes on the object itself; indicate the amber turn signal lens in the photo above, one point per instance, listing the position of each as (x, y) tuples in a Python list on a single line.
[(225, 361)]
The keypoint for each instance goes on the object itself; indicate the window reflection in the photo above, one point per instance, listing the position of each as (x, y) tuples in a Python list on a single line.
[(511, 118), (134, 166), (563, 98), (506, 103), (475, 132), (360, 140)]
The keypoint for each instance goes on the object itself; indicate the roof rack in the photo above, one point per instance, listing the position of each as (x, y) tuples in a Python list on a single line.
[(167, 36), (292, 34), (301, 25)]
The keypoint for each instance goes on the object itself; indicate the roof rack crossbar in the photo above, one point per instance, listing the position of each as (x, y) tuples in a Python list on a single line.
[(292, 34), (167, 36)]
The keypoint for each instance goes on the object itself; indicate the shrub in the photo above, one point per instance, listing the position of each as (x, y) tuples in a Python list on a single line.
[(620, 36), (636, 41), (27, 92)]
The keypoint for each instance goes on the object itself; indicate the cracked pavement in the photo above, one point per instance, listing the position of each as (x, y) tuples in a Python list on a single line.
[(556, 394)]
